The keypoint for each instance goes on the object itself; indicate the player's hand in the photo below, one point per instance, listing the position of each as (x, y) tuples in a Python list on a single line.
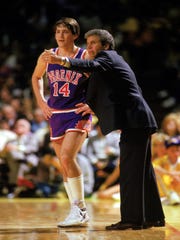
[(84, 109), (47, 111)]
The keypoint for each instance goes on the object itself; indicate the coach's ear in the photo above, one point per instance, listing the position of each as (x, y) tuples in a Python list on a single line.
[(106, 46)]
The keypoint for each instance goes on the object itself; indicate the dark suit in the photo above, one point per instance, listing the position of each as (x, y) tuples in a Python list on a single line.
[(115, 97)]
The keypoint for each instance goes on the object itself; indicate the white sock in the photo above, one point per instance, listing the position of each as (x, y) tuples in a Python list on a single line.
[(76, 186), (68, 191)]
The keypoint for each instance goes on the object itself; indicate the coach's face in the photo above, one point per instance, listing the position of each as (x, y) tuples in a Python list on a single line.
[(94, 46)]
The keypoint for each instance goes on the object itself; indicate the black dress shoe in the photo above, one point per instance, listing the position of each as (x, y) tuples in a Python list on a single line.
[(124, 226), (158, 223)]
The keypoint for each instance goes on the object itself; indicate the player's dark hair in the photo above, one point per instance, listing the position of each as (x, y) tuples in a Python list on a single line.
[(70, 23), (104, 36)]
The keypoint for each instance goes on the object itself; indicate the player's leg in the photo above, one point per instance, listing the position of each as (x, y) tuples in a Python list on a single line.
[(73, 178)]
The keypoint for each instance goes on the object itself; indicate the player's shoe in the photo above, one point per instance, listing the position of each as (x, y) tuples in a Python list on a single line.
[(76, 217)]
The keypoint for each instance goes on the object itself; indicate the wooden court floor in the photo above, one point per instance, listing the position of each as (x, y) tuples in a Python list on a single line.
[(36, 219)]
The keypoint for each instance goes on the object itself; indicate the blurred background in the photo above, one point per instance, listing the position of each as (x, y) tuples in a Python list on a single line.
[(147, 35)]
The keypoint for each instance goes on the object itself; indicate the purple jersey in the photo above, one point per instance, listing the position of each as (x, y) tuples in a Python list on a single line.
[(67, 87)]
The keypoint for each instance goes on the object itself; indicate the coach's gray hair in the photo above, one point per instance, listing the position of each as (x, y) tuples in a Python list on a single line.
[(104, 36)]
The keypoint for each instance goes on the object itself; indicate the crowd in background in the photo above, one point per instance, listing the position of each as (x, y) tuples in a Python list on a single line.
[(140, 29), (146, 34), (30, 168)]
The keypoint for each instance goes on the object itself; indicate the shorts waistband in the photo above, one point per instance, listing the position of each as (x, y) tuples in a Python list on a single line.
[(64, 111)]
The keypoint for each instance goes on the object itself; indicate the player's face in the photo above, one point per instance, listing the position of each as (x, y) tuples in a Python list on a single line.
[(64, 36), (94, 46)]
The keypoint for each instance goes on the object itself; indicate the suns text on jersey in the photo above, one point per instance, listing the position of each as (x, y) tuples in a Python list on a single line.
[(64, 76)]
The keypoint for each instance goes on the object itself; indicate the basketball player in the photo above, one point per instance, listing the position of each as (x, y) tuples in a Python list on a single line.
[(68, 129)]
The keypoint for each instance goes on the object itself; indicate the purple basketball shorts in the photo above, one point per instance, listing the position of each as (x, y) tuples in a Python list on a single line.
[(63, 121)]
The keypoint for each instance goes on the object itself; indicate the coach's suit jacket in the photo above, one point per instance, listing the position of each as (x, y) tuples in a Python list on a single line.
[(113, 93), (115, 97)]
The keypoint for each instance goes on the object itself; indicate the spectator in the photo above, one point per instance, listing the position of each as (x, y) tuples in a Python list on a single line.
[(110, 189), (88, 174), (167, 169), (9, 114), (21, 153), (38, 121), (6, 135), (158, 145), (169, 124), (102, 151)]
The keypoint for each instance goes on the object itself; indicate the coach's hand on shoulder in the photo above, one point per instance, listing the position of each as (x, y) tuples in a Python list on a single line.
[(84, 109), (50, 57)]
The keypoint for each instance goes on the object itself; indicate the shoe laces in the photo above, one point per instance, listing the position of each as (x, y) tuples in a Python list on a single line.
[(74, 212)]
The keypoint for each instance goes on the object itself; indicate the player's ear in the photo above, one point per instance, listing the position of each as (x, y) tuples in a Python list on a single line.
[(75, 36)]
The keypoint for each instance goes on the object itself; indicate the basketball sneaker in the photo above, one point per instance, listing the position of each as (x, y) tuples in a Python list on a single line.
[(76, 217)]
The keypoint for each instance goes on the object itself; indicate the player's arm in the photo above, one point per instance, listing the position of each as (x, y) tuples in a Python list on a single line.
[(38, 86)]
